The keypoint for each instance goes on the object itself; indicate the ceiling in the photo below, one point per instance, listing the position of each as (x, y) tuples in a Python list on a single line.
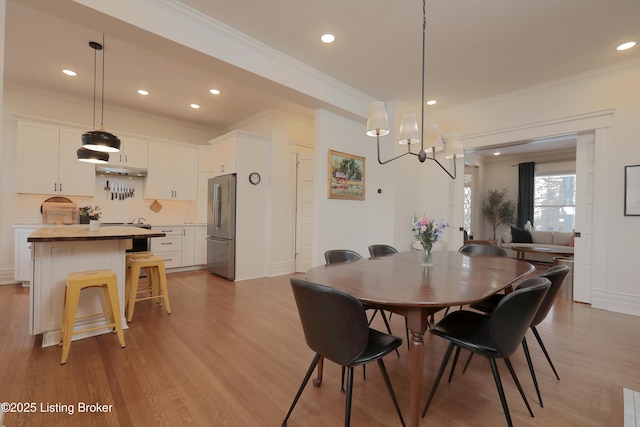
[(474, 50)]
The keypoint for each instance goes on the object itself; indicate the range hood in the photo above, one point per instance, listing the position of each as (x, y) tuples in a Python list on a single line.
[(120, 170)]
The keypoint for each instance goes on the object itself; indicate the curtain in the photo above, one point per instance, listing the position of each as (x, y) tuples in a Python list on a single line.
[(526, 187)]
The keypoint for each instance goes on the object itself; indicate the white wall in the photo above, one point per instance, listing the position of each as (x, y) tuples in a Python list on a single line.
[(344, 224), (408, 188), (288, 134)]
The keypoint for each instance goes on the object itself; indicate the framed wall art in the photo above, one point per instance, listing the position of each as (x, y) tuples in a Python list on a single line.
[(632, 190), (346, 176)]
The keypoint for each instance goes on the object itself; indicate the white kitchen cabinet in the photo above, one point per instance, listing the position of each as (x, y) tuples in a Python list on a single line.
[(183, 246), (200, 244), (221, 158), (133, 153), (168, 247), (172, 172), (47, 162), (22, 254), (188, 246)]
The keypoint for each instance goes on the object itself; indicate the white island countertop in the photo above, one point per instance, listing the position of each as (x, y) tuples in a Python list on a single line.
[(66, 234)]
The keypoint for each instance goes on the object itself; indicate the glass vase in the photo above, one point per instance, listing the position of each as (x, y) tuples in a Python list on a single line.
[(427, 260)]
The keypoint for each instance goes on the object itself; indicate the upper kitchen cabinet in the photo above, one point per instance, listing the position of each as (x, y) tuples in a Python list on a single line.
[(133, 153), (51, 152), (172, 172), (221, 157)]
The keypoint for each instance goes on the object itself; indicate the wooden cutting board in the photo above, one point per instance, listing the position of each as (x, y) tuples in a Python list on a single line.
[(57, 199), (59, 210)]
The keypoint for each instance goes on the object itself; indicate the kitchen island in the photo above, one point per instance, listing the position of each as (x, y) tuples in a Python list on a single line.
[(57, 251)]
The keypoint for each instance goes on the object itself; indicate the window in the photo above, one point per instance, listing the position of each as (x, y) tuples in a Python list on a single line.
[(555, 202), (467, 201)]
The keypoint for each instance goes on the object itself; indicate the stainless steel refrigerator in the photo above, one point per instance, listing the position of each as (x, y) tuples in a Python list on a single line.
[(221, 226)]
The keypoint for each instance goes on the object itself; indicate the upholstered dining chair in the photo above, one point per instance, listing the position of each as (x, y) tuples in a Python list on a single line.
[(494, 337), (343, 255), (480, 249), (556, 276), (335, 327), (381, 250), (473, 249)]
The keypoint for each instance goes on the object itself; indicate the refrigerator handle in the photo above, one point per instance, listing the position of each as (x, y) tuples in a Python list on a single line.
[(217, 207)]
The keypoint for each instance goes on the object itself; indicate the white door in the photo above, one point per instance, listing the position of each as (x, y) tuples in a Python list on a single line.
[(304, 212), (584, 270)]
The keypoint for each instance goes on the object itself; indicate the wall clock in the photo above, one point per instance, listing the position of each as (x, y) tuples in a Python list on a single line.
[(254, 178)]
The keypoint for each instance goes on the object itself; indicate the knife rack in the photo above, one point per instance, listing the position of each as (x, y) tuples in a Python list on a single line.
[(120, 188)]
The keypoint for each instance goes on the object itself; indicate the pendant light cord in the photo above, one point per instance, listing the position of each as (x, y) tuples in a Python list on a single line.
[(424, 31), (102, 96), (95, 59)]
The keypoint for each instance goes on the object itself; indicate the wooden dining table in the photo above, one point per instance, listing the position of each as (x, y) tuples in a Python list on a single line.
[(400, 284)]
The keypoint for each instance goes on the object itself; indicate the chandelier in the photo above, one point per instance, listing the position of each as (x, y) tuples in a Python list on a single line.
[(378, 125)]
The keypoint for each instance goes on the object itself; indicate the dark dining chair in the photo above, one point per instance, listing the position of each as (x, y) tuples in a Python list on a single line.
[(474, 249), (335, 327), (381, 250), (343, 255), (556, 276), (480, 249), (494, 337)]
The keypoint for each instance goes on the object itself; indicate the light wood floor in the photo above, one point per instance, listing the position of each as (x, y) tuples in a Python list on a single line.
[(234, 355)]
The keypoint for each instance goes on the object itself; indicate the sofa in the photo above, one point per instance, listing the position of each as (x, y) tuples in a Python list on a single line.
[(535, 239)]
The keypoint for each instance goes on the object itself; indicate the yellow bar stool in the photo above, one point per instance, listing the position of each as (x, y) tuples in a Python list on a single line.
[(150, 287), (157, 277), (76, 282)]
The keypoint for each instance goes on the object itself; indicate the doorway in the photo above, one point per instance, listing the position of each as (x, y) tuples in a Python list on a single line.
[(304, 212), (592, 131)]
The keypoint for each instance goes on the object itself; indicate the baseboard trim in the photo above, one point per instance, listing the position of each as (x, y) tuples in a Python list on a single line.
[(616, 302), (281, 268), (7, 276)]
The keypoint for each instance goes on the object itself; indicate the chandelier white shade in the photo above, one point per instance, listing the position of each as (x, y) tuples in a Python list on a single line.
[(433, 139), (455, 150), (409, 133), (377, 123)]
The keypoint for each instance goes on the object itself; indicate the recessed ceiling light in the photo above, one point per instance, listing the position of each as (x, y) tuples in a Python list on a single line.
[(625, 46), (195, 106), (143, 92), (214, 91), (328, 38), (70, 73), (432, 102), (497, 153)]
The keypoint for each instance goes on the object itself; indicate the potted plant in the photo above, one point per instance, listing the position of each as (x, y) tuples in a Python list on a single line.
[(92, 214), (498, 209), (427, 232)]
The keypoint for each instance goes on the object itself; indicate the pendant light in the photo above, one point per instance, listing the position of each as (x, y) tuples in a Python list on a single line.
[(91, 156), (99, 140)]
